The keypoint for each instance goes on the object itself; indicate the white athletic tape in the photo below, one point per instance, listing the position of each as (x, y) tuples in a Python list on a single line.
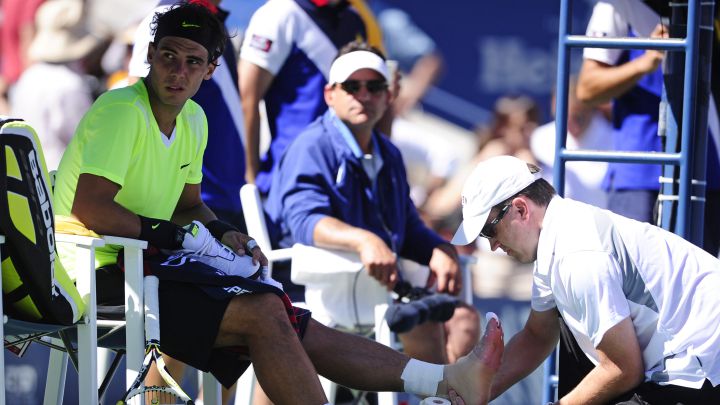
[(422, 378), (492, 315), (251, 244)]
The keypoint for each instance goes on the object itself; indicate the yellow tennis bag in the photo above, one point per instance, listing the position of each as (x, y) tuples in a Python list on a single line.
[(35, 285)]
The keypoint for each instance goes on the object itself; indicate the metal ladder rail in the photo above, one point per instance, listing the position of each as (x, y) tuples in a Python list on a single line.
[(699, 113), (683, 159)]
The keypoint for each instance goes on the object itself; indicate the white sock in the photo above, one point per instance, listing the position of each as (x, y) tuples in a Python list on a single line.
[(422, 378)]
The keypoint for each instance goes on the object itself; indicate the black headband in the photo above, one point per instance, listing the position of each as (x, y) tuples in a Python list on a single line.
[(189, 29)]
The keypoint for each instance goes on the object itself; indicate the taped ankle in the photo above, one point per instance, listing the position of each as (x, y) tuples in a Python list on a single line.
[(422, 378)]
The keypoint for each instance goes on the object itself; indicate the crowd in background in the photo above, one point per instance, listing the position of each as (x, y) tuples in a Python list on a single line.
[(54, 62)]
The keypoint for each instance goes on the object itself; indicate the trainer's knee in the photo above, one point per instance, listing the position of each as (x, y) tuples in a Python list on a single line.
[(465, 317), (463, 332), (425, 342)]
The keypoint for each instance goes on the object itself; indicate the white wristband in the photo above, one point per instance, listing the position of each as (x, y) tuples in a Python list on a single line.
[(250, 245)]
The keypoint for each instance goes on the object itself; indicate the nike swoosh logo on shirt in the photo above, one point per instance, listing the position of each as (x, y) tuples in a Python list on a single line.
[(184, 166)]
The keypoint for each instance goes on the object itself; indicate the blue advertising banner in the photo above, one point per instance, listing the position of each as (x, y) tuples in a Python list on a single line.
[(492, 49)]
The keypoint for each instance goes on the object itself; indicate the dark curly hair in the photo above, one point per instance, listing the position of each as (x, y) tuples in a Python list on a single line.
[(194, 21)]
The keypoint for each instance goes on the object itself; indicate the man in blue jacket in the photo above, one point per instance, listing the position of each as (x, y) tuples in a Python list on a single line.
[(343, 185)]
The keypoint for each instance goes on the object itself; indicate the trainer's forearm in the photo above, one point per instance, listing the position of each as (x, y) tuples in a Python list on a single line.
[(599, 387), (522, 355)]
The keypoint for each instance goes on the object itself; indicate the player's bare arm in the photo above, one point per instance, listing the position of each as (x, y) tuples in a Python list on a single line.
[(254, 83), (94, 205)]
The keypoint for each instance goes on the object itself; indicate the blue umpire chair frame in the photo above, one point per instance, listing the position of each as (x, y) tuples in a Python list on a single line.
[(691, 155)]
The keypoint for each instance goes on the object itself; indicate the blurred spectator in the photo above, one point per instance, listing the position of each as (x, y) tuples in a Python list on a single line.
[(285, 59), (224, 161), (53, 94), (632, 79), (587, 129), (342, 185), (16, 32), (428, 157), (413, 49), (514, 120), (116, 60)]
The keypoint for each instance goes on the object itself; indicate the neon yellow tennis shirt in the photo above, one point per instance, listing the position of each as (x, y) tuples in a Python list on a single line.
[(119, 139)]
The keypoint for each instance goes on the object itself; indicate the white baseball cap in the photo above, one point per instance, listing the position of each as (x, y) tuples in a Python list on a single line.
[(491, 182), (351, 62)]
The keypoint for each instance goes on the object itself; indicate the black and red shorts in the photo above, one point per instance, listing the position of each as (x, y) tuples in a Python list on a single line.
[(193, 298)]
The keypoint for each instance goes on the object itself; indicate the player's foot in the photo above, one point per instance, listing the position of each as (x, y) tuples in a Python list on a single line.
[(471, 376)]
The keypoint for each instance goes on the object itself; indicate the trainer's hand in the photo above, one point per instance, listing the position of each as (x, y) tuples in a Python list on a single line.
[(238, 242), (445, 268), (379, 260)]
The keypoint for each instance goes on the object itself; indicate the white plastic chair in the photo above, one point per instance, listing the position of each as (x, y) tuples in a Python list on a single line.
[(340, 293), (257, 228), (343, 261), (134, 323), (135, 319)]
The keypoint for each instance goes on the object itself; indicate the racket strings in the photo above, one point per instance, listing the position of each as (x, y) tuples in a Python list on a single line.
[(158, 395)]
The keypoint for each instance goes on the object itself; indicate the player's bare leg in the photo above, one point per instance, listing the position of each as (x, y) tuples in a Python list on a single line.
[(153, 377), (354, 361), (259, 321), (363, 364)]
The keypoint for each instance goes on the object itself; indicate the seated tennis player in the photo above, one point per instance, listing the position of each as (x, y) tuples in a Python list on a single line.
[(133, 169)]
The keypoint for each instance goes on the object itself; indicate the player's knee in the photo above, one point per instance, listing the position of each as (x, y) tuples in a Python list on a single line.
[(253, 316), (259, 306)]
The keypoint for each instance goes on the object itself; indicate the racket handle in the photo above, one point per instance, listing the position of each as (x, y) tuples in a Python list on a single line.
[(152, 309)]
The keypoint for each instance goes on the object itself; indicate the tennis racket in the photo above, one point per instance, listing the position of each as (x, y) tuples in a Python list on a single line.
[(171, 393)]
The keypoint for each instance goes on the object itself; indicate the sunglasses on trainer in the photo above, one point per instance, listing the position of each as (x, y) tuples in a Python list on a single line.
[(488, 231), (372, 86)]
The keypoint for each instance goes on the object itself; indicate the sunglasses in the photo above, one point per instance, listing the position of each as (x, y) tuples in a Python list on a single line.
[(372, 86), (488, 231)]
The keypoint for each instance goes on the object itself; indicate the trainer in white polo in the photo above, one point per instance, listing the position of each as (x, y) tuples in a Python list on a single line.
[(640, 302)]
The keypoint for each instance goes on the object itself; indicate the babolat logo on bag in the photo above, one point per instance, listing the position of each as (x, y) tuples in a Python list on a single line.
[(35, 285)]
